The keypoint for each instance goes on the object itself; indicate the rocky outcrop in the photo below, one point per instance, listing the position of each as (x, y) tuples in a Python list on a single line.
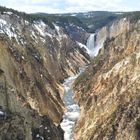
[(77, 33), (34, 60), (112, 30), (108, 90)]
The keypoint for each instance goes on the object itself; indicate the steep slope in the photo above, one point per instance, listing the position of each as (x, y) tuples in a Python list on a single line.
[(108, 90), (34, 60)]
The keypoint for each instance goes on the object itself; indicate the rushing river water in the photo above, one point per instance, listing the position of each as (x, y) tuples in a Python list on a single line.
[(72, 109)]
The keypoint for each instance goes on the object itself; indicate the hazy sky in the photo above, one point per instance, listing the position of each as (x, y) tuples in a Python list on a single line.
[(64, 6)]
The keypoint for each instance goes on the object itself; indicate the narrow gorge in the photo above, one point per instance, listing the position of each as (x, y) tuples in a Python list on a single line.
[(73, 76), (72, 109)]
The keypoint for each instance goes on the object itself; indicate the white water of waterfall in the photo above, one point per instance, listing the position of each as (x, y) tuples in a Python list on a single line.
[(91, 42), (91, 46), (72, 109)]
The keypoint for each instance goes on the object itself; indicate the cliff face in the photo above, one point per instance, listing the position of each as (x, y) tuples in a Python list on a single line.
[(34, 59), (77, 33), (111, 31), (109, 100)]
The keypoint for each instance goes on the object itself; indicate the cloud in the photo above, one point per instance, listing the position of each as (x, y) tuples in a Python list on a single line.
[(64, 6), (85, 5)]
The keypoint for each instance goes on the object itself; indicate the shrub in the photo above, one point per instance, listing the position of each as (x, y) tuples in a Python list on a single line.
[(138, 124), (1, 71)]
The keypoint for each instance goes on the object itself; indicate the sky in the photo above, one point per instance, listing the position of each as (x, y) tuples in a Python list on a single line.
[(66, 6)]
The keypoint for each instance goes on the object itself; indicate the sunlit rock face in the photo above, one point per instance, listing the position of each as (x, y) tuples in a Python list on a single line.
[(109, 90), (113, 30), (34, 59)]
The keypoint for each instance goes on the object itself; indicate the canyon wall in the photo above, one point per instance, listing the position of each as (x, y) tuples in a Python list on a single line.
[(108, 92), (112, 30), (34, 60)]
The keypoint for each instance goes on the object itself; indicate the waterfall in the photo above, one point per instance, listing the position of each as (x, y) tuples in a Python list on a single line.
[(91, 42), (91, 45)]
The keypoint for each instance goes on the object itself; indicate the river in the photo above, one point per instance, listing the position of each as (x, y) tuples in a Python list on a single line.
[(72, 109)]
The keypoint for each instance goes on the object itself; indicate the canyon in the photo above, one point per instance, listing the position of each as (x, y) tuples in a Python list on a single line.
[(58, 81)]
